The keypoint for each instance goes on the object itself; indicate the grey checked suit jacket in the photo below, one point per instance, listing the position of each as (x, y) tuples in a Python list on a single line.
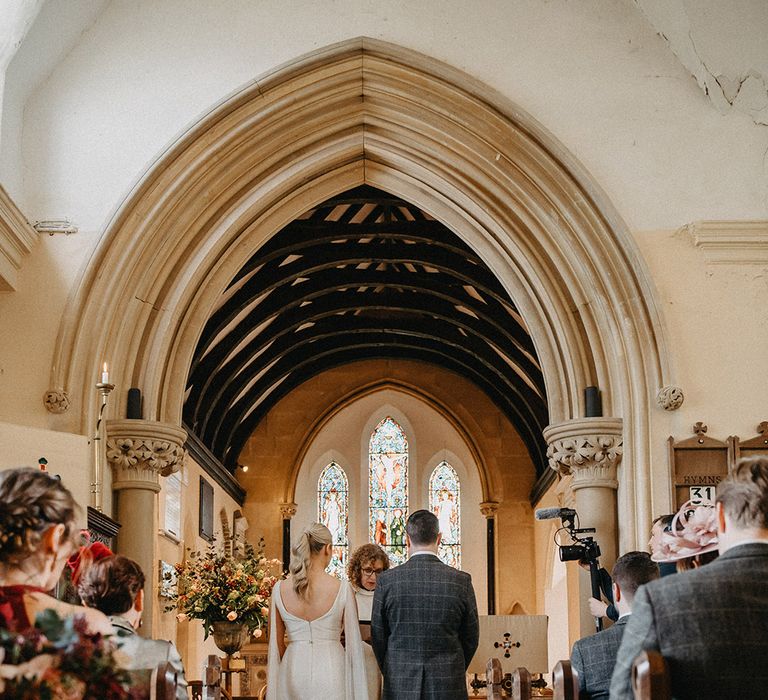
[(594, 658), (136, 653), (424, 630), (711, 625)]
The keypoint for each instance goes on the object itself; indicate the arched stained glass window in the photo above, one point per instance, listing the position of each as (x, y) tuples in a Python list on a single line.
[(388, 488), (333, 512), (444, 502)]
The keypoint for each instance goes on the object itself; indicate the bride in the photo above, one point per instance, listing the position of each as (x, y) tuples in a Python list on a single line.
[(310, 610)]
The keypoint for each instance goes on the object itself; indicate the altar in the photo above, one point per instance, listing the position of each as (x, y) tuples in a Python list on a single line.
[(517, 641)]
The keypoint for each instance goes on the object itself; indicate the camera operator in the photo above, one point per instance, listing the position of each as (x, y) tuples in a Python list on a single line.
[(599, 608)]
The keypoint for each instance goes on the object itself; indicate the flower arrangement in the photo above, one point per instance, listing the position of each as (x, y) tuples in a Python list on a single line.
[(225, 584), (60, 660)]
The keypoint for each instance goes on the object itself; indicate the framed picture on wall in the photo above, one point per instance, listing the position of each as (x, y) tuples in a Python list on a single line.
[(206, 510)]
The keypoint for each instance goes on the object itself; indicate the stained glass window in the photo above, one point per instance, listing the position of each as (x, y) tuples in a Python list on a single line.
[(388, 488), (333, 512), (444, 502)]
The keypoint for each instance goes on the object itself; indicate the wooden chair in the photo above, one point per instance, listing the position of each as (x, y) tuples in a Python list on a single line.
[(521, 684), (565, 681), (493, 678), (650, 677)]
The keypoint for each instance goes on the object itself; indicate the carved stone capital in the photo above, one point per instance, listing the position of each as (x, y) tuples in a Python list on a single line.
[(140, 451), (56, 401), (590, 449), (288, 510), (489, 508), (670, 398)]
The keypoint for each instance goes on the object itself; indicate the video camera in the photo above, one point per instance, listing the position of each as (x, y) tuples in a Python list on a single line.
[(582, 549)]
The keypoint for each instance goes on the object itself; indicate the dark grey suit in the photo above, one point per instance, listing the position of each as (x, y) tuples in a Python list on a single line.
[(711, 625), (424, 630), (594, 658)]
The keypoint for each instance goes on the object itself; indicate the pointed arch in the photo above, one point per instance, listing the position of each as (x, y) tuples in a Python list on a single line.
[(368, 112), (388, 488), (333, 512)]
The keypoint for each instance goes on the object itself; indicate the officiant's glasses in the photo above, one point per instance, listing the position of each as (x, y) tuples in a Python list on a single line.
[(372, 572)]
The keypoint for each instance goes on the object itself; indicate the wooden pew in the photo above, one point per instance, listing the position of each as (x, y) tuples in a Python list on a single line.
[(493, 678), (165, 682), (565, 681), (521, 684), (650, 677)]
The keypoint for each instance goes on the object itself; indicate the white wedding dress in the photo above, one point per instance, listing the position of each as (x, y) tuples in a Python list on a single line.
[(315, 665)]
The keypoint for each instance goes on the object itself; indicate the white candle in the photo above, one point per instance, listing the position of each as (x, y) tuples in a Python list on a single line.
[(105, 375)]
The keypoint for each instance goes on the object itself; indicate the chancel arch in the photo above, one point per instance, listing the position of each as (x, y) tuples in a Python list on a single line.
[(365, 112)]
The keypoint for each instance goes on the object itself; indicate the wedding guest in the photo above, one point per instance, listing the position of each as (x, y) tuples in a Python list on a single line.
[(37, 535), (691, 539), (312, 609), (366, 564), (711, 624), (115, 586), (660, 525), (593, 657)]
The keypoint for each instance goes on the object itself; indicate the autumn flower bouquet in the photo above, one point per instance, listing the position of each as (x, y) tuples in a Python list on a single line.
[(226, 584), (60, 660)]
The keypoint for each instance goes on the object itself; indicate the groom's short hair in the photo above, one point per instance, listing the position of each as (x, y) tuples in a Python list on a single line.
[(422, 527)]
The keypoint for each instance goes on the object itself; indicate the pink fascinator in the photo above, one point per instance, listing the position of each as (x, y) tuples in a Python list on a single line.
[(693, 531)]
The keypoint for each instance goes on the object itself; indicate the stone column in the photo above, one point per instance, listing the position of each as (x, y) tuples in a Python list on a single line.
[(140, 452), (590, 450), (489, 510), (287, 510)]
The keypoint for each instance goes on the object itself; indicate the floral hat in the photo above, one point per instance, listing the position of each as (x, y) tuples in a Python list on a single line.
[(693, 531)]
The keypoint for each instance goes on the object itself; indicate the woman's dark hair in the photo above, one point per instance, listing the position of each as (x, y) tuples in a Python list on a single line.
[(32, 501), (111, 584), (363, 556)]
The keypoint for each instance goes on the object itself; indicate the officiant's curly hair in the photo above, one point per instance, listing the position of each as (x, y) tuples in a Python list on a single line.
[(365, 555), (311, 541)]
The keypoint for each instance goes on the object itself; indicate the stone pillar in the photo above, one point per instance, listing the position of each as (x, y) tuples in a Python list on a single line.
[(140, 452), (287, 510), (590, 450), (489, 510)]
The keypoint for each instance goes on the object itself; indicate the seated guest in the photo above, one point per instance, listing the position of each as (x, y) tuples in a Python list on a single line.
[(37, 532), (593, 657), (115, 586), (711, 624), (365, 565), (661, 524), (690, 541)]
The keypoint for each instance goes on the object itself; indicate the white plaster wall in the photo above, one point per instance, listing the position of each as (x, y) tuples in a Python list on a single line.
[(431, 439)]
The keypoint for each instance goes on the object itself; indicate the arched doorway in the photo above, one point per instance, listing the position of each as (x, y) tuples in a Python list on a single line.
[(365, 112)]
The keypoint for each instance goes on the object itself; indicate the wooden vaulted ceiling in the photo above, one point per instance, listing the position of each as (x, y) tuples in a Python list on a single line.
[(364, 275)]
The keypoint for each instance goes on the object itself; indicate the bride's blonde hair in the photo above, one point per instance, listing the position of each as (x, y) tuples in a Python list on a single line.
[(311, 541)]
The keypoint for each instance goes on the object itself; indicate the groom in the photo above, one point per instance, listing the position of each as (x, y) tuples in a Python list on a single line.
[(424, 624)]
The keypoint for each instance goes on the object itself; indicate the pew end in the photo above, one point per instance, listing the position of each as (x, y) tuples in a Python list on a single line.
[(650, 677)]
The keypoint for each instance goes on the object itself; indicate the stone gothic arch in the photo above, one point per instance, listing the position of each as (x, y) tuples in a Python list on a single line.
[(364, 111)]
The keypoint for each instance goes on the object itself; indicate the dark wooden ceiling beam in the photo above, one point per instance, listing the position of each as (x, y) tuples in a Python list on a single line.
[(218, 361)]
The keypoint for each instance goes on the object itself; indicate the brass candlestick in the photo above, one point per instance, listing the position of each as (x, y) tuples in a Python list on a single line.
[(99, 455)]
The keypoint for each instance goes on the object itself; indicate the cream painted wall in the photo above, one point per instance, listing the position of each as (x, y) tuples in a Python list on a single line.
[(68, 455), (431, 438)]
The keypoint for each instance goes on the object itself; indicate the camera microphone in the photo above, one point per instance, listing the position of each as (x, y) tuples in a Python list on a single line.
[(549, 513)]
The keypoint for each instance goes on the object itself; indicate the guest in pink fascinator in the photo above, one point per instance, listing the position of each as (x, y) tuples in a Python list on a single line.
[(691, 541)]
